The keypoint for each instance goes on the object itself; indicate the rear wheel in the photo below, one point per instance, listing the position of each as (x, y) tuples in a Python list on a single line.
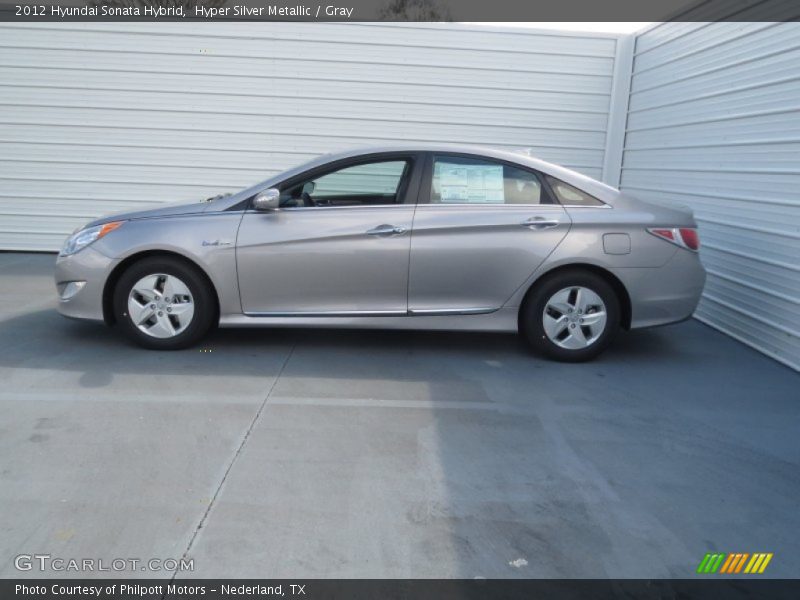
[(571, 316), (163, 303)]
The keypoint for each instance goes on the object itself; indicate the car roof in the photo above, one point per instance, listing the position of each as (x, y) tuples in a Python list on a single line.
[(521, 157)]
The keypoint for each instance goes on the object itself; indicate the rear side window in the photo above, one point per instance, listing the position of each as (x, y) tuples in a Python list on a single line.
[(570, 195), (458, 180)]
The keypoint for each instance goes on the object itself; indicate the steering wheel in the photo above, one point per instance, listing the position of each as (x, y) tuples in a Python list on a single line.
[(305, 195)]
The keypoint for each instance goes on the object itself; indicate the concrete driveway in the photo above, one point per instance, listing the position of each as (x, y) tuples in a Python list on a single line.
[(303, 453)]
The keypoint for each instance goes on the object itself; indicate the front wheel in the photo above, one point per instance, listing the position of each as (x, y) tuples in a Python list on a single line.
[(163, 303), (571, 316)]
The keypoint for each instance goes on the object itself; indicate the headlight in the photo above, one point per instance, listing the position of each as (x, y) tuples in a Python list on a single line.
[(83, 237)]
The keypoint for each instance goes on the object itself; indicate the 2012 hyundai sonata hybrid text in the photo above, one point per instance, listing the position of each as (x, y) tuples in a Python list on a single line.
[(436, 237)]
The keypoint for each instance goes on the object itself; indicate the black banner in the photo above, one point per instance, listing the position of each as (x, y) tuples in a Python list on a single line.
[(388, 589), (401, 10)]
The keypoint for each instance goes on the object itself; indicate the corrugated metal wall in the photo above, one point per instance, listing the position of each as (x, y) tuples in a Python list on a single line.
[(99, 117), (714, 123)]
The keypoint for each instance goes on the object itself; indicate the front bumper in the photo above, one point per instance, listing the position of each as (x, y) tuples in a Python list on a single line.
[(666, 294), (87, 266)]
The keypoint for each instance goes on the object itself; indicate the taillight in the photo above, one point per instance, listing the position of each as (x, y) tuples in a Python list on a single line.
[(690, 238), (685, 237)]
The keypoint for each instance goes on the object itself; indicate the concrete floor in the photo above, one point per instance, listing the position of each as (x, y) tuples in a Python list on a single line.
[(304, 454)]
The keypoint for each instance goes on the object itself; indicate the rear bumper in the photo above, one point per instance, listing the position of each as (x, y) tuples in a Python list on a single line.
[(92, 269), (667, 294)]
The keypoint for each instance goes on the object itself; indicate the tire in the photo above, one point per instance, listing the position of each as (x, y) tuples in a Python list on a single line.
[(552, 325), (175, 319)]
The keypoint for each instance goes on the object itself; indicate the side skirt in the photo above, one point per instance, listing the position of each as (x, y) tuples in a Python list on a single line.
[(502, 320)]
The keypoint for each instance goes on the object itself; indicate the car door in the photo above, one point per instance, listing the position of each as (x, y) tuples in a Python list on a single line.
[(481, 228), (338, 244)]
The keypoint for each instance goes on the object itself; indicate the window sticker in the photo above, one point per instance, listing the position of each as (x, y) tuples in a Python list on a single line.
[(479, 184)]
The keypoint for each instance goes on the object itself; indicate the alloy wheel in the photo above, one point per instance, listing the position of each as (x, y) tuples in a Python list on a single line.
[(161, 305), (574, 317)]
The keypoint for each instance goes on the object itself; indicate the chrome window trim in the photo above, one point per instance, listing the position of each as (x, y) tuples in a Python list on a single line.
[(349, 206), (486, 205), (603, 205), (482, 206)]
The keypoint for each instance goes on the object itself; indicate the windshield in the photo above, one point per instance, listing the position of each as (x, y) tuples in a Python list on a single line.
[(278, 177)]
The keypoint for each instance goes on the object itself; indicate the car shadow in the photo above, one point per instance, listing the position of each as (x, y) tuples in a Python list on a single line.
[(43, 338)]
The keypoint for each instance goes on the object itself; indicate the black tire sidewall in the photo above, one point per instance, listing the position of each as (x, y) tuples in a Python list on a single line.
[(532, 322), (201, 296)]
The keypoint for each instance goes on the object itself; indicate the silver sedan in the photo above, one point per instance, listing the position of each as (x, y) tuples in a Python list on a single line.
[(437, 237)]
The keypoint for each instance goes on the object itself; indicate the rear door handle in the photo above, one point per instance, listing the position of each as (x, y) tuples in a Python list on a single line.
[(537, 223), (387, 230)]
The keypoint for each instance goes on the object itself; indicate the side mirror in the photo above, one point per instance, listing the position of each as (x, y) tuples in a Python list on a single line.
[(267, 200)]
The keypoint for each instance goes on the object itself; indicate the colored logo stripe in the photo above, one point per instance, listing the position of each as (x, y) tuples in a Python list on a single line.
[(734, 562), (758, 563), (710, 563)]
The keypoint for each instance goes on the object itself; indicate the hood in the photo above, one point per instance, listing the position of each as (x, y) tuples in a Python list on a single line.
[(164, 210)]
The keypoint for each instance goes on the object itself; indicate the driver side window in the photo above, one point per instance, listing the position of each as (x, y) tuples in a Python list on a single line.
[(367, 184)]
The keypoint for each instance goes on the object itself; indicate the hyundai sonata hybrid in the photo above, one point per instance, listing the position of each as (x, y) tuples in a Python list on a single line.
[(420, 237)]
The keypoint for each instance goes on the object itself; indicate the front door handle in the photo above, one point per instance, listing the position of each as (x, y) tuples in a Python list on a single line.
[(387, 230), (537, 223)]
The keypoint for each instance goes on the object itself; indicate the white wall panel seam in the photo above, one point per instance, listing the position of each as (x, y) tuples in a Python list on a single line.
[(360, 138), (459, 85), (351, 42), (749, 315), (684, 191), (767, 261), (749, 60), (728, 117), (338, 117), (316, 60), (677, 56), (307, 97), (720, 93), (618, 110), (652, 30), (752, 286)]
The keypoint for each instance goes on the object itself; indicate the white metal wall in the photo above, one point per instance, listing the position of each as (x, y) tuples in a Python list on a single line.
[(714, 123), (97, 118)]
